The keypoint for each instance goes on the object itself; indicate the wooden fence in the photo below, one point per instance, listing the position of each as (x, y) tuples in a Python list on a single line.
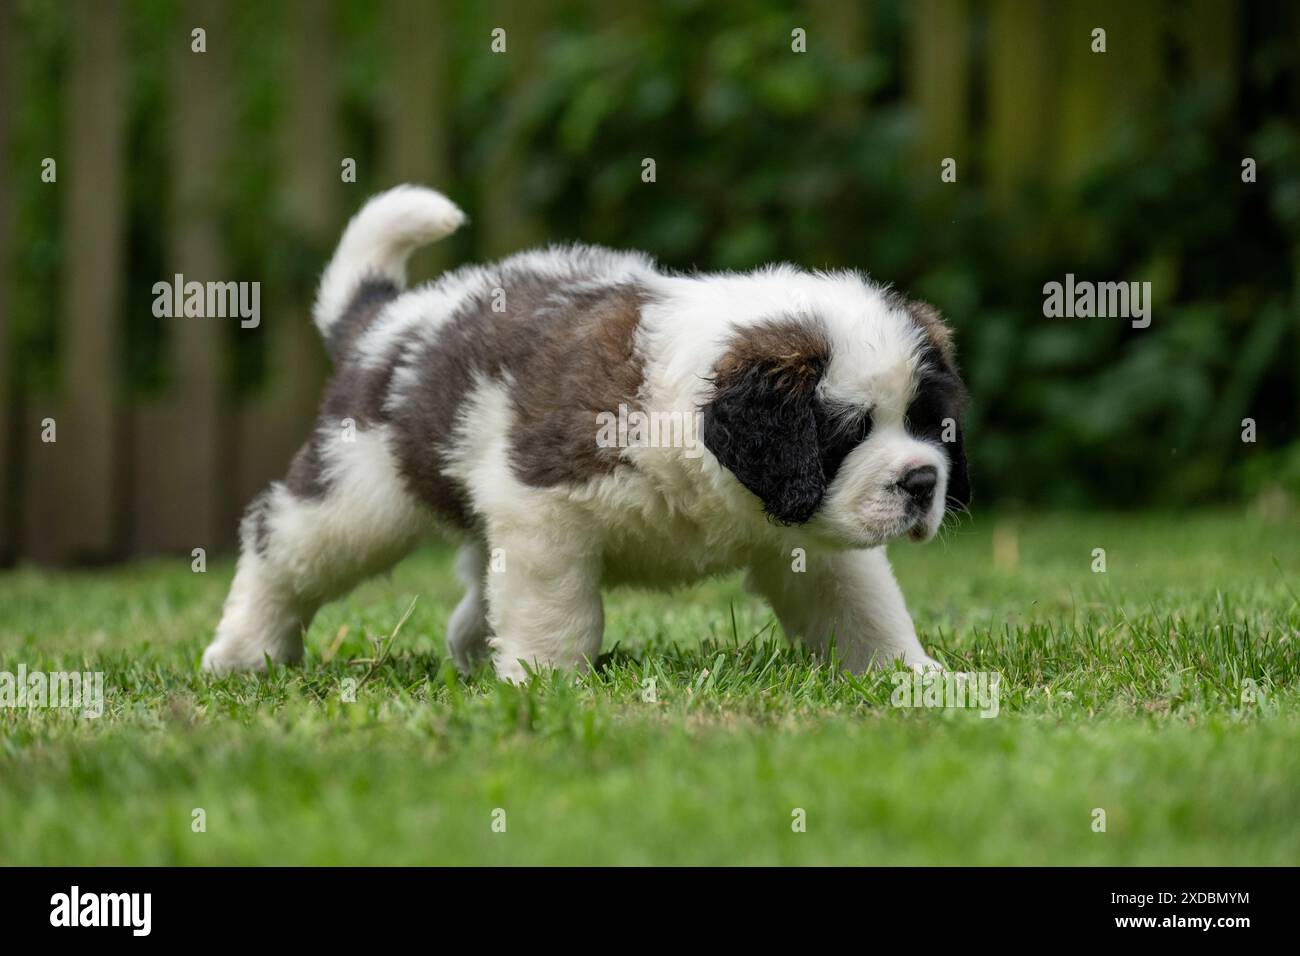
[(169, 474), (172, 473)]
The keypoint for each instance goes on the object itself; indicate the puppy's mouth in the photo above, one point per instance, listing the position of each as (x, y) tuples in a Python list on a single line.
[(918, 526), (873, 531), (912, 526)]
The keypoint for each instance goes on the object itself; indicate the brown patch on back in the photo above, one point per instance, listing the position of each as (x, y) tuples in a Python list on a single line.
[(579, 369), (570, 355), (566, 341)]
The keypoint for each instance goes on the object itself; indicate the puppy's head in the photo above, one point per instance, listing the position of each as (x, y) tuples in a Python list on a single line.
[(847, 424)]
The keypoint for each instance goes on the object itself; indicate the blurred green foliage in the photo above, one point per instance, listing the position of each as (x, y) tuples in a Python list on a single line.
[(763, 155)]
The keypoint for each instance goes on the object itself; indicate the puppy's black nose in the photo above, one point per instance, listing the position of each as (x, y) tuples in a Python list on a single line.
[(919, 484)]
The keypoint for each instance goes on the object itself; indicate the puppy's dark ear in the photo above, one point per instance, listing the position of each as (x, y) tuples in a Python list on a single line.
[(958, 473), (761, 423), (944, 350), (936, 331)]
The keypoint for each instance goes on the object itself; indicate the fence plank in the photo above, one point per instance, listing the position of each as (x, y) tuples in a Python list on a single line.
[(506, 224), (840, 35), (939, 79), (1021, 65), (71, 483), (1084, 84), (1138, 57), (276, 423), (416, 130), (1210, 30), (8, 396), (180, 442), (1097, 89)]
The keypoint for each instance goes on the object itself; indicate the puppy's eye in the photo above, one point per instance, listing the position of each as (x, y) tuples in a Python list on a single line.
[(839, 434), (920, 416), (926, 413)]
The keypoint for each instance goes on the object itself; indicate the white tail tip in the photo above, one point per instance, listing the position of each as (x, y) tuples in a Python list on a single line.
[(378, 241)]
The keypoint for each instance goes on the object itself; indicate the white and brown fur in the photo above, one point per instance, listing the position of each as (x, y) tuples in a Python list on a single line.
[(824, 399)]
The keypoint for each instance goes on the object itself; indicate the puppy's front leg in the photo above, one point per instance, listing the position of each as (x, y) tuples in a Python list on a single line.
[(848, 596), (544, 603)]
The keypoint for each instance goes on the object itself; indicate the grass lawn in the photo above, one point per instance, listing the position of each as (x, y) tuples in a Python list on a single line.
[(1121, 691)]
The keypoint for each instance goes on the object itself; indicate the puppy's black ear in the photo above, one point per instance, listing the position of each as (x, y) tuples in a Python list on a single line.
[(945, 357), (761, 423), (958, 473)]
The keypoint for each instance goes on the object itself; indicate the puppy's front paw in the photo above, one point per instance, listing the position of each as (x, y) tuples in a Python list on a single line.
[(923, 664), (225, 658), (512, 672)]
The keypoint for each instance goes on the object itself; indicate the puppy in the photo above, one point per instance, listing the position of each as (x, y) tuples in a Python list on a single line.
[(580, 418)]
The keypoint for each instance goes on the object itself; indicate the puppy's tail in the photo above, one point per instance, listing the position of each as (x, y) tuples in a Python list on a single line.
[(369, 265)]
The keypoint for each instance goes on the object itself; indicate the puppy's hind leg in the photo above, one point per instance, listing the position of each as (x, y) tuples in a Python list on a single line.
[(467, 631), (341, 516)]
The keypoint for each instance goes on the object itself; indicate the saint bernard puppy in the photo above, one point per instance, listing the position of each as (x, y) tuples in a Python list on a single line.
[(818, 421)]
